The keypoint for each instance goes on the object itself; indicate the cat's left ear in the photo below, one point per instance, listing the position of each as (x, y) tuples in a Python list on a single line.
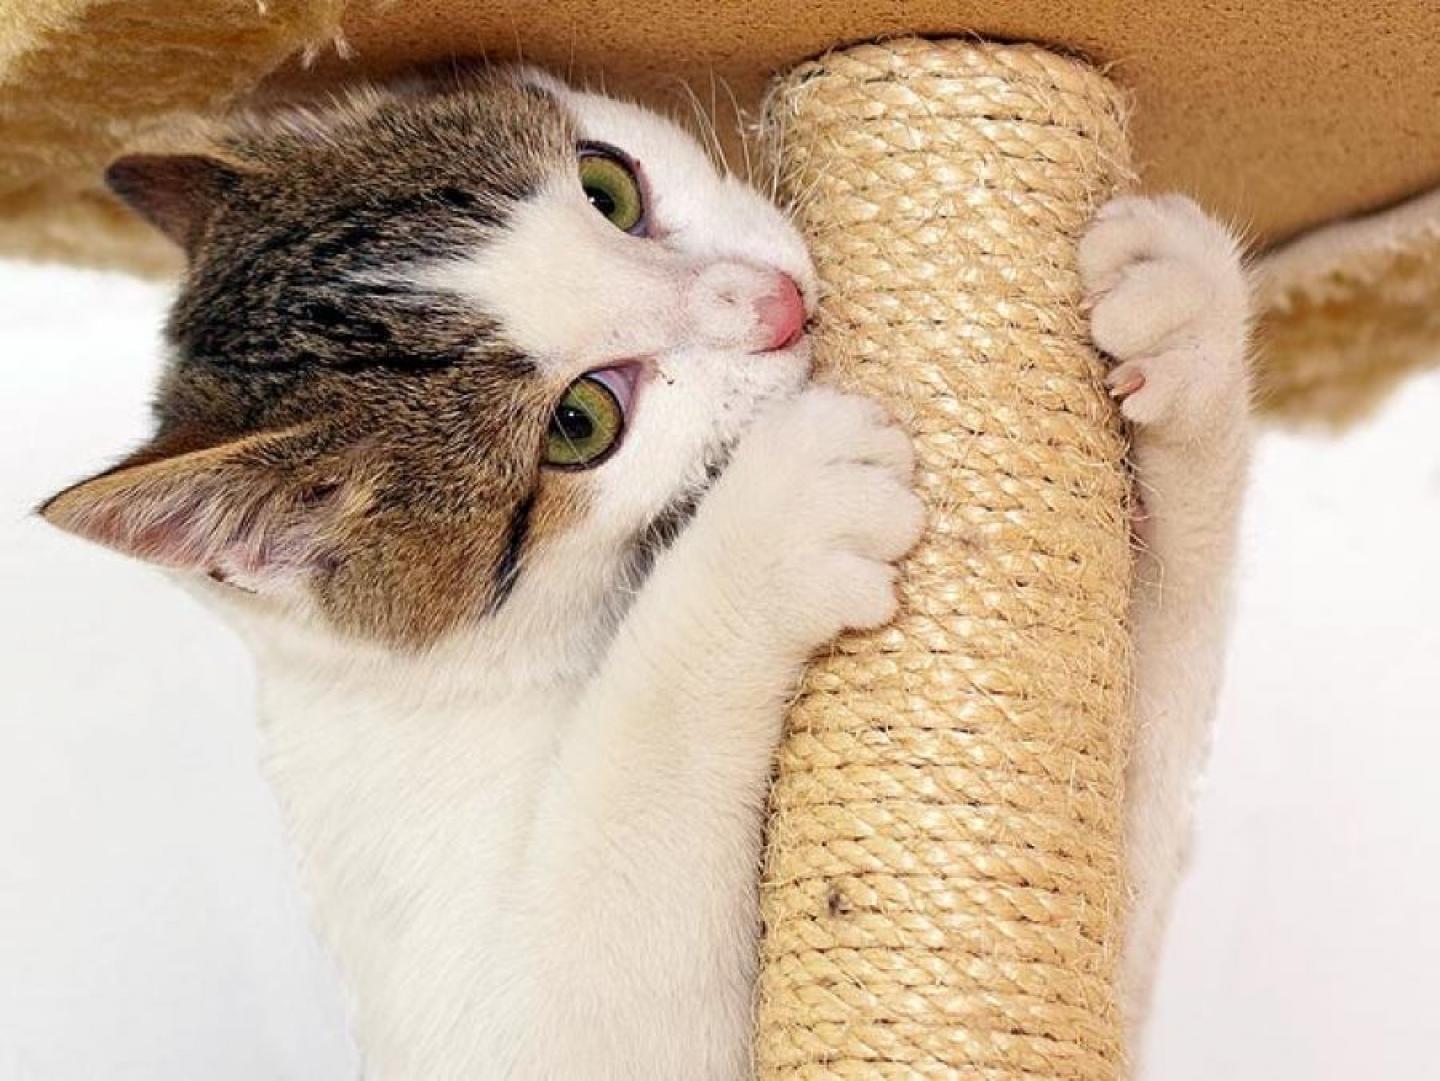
[(243, 511), (177, 193)]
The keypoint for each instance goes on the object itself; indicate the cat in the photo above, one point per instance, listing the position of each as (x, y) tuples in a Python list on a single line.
[(488, 422)]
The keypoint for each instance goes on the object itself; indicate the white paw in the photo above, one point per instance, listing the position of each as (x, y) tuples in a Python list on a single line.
[(1169, 305), (819, 506)]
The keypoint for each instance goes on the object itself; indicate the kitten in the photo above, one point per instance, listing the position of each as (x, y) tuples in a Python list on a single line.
[(488, 423)]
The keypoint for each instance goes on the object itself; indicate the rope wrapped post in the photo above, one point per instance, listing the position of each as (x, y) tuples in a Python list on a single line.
[(943, 890)]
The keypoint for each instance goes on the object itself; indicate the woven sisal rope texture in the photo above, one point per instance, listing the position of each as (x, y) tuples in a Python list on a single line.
[(943, 892)]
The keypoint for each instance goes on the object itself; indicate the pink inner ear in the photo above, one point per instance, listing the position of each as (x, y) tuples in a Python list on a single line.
[(173, 527), (168, 540), (237, 507), (205, 510)]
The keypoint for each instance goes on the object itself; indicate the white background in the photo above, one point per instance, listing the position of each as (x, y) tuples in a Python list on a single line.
[(150, 924)]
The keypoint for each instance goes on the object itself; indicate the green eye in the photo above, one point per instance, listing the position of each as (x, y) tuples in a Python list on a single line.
[(609, 183), (585, 425)]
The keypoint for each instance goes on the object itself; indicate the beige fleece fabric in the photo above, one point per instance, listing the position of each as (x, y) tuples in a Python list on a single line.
[(81, 80)]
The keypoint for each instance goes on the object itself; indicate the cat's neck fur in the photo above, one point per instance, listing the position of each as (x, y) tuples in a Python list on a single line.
[(408, 783), (549, 636)]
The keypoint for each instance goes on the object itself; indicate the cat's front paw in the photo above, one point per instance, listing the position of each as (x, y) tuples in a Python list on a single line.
[(1169, 305), (818, 507)]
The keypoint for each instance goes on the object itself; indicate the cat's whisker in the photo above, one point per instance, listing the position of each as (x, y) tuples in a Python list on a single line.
[(709, 139), (713, 116), (570, 63), (740, 131)]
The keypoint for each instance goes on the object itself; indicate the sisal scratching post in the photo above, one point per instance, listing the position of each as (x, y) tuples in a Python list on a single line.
[(943, 889)]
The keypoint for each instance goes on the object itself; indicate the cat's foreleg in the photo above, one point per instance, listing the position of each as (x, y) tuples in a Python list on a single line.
[(649, 836), (1170, 306)]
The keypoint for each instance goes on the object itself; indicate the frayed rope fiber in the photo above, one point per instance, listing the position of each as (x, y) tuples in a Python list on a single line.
[(943, 888)]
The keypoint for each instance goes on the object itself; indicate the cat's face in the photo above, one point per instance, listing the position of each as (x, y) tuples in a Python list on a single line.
[(442, 353)]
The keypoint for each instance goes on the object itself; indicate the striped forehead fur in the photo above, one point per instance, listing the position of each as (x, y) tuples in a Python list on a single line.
[(291, 315)]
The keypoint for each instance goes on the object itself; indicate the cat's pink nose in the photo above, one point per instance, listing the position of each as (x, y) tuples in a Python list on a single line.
[(782, 313)]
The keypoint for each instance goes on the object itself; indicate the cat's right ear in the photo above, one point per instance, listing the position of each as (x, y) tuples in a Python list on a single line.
[(246, 510), (176, 193)]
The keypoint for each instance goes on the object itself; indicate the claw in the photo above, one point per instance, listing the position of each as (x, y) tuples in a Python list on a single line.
[(1127, 386)]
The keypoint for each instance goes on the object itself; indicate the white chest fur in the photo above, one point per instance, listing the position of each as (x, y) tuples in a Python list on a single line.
[(411, 797)]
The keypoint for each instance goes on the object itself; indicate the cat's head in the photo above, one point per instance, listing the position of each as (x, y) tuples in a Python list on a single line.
[(436, 350)]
